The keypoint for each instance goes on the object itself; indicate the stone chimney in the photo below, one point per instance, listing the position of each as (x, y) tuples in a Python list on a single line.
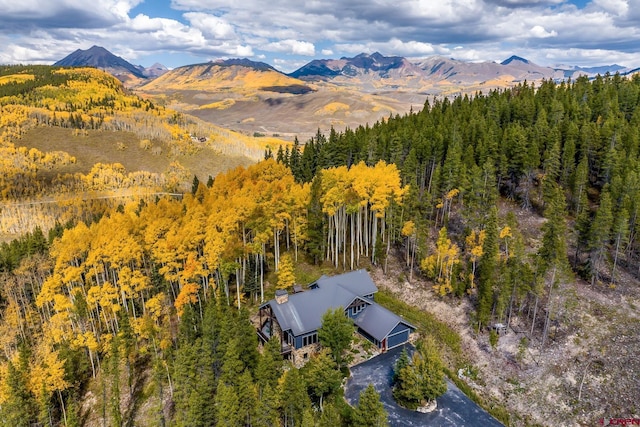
[(282, 296)]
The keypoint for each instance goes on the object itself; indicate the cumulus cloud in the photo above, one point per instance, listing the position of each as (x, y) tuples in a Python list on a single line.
[(539, 32), (211, 25), (524, 3), (295, 47), (25, 15), (294, 31)]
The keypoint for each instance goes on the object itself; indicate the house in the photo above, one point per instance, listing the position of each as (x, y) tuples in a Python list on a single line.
[(295, 318)]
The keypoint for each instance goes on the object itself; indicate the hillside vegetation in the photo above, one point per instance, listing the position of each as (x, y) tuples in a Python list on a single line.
[(264, 101), (516, 207), (69, 131)]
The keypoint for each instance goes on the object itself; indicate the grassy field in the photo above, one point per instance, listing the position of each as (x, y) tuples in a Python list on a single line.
[(99, 146)]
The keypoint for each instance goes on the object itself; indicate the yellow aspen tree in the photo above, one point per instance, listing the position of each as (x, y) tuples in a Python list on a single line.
[(286, 275), (505, 235), (409, 232), (188, 295), (439, 265), (473, 243)]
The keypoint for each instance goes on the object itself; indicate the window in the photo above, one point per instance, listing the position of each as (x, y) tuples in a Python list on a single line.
[(309, 339), (357, 309), (305, 356)]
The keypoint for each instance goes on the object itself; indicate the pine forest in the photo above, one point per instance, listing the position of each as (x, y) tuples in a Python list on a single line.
[(126, 297)]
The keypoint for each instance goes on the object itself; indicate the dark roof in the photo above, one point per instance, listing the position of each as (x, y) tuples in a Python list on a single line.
[(303, 311), (359, 282), (378, 322)]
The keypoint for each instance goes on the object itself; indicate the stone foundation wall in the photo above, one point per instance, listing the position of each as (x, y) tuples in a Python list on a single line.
[(297, 356)]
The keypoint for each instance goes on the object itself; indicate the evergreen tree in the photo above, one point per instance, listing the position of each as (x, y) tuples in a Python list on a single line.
[(336, 334), (553, 252), (488, 269), (370, 412), (322, 376), (295, 160), (403, 362), (247, 398), (194, 185), (330, 416), (19, 408), (294, 399), (227, 407), (267, 408), (269, 366), (316, 231), (245, 333), (422, 380), (599, 234), (232, 365)]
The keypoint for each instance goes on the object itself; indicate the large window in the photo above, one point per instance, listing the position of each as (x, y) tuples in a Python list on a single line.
[(309, 339)]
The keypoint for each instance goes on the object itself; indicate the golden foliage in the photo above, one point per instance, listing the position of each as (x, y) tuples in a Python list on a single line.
[(439, 265)]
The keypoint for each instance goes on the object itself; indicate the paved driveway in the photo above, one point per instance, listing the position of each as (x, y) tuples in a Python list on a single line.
[(454, 408)]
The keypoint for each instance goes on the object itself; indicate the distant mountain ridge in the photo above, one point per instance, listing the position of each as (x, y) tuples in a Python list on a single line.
[(256, 98), (99, 57), (364, 69), (244, 62), (437, 68), (514, 58), (352, 67)]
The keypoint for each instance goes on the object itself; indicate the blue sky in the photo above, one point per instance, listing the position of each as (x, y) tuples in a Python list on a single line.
[(289, 33)]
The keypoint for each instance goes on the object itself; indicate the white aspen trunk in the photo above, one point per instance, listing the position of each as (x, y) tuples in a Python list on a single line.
[(329, 238), (64, 411), (276, 249), (547, 320), (237, 289), (93, 367), (359, 231), (344, 238), (615, 259), (535, 310), (336, 243), (365, 221), (374, 236), (413, 257), (288, 233), (262, 274), (352, 238), (295, 239)]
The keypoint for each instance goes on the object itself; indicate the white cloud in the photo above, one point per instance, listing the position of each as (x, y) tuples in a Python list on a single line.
[(211, 25), (539, 32), (295, 47), (23, 15)]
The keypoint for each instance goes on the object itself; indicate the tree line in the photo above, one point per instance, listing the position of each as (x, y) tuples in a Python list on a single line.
[(151, 283)]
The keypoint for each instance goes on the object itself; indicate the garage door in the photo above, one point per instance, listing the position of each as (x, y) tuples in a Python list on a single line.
[(397, 339)]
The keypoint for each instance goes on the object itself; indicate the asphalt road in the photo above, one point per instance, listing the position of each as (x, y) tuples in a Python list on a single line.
[(454, 408)]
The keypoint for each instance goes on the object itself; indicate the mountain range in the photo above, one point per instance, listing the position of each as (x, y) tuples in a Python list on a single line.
[(100, 57), (254, 97), (372, 66)]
